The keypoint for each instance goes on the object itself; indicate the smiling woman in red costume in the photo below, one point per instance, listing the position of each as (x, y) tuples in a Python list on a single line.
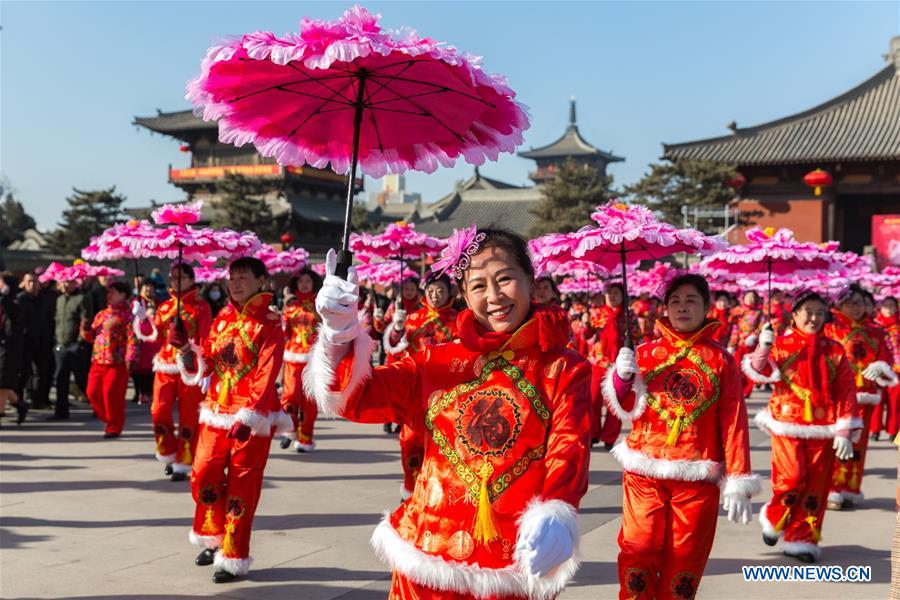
[(689, 440), (810, 417), (867, 352), (434, 323), (504, 413), (300, 322), (889, 320)]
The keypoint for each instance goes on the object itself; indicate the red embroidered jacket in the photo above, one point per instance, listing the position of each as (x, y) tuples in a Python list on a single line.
[(891, 328), (796, 409), (863, 344), (747, 321), (300, 323), (687, 409), (196, 316), (424, 328), (112, 336), (507, 435)]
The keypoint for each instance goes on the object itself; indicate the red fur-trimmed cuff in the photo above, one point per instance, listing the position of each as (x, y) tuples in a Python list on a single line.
[(612, 400), (748, 485), (332, 376), (390, 348), (555, 581), (635, 461), (757, 377)]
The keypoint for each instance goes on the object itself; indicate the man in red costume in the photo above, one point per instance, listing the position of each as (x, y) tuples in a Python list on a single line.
[(174, 447), (113, 347), (434, 323), (889, 320), (689, 439), (243, 356), (810, 418), (867, 353), (300, 321)]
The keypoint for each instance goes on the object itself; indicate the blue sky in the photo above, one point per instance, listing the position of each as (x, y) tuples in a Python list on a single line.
[(75, 74)]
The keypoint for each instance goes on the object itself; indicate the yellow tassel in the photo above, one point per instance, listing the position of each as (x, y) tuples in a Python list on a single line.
[(854, 478), (228, 548), (485, 527), (209, 526), (676, 427), (186, 453), (807, 409), (779, 526), (860, 380), (223, 393), (812, 527)]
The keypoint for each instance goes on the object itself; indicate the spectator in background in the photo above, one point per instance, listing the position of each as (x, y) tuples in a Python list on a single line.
[(141, 365), (37, 355), (216, 297), (11, 341), (71, 352), (94, 296)]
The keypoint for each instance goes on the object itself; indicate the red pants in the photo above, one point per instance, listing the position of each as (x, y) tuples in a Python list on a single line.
[(225, 483), (175, 446), (667, 533), (886, 416), (294, 402), (412, 453), (848, 474), (402, 588), (611, 426), (801, 474), (106, 387)]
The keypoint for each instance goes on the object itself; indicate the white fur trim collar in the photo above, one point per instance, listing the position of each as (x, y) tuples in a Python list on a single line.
[(635, 461), (612, 401), (757, 377)]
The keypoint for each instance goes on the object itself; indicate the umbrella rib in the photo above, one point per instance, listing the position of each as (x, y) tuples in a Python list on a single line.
[(319, 80), (371, 115), (431, 93), (437, 85), (281, 85), (383, 85), (319, 108), (299, 93), (424, 113)]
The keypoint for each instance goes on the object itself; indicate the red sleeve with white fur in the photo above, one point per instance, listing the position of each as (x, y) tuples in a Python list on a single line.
[(263, 396), (734, 430), (844, 394)]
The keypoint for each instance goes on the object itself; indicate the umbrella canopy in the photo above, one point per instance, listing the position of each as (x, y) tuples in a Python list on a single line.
[(344, 93), (205, 274), (109, 246), (77, 271), (654, 280), (399, 241), (384, 273), (581, 285), (286, 261)]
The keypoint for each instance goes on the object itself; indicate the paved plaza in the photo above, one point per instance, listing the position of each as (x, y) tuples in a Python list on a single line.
[(82, 517)]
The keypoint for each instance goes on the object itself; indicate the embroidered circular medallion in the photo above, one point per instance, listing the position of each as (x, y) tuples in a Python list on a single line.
[(460, 545), (434, 492), (489, 422), (235, 507), (819, 413), (660, 353), (683, 386), (228, 356)]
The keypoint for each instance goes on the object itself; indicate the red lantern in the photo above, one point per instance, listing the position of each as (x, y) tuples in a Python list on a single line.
[(184, 148), (738, 181), (287, 239), (817, 180)]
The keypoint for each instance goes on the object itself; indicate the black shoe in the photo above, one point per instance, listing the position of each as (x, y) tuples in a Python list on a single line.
[(21, 411), (285, 443), (205, 558), (846, 504), (875, 436), (55, 417), (179, 476), (110, 435), (770, 540), (804, 557), (388, 428), (607, 446), (594, 442), (221, 576), (168, 470)]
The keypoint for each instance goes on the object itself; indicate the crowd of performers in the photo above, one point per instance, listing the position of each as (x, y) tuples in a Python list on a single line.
[(499, 386)]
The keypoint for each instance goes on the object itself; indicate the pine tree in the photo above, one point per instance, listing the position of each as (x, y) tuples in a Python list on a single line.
[(244, 207), (89, 213), (570, 198), (13, 220), (693, 183)]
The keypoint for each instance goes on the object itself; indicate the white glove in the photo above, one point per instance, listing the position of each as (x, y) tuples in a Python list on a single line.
[(378, 313), (544, 546), (767, 336), (400, 317), (337, 303), (626, 365), (872, 372), (750, 341), (843, 449), (204, 384), (731, 350), (139, 310), (738, 506)]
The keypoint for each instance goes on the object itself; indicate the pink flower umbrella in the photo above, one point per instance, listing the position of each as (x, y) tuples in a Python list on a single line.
[(77, 271), (580, 285), (399, 240), (383, 273), (626, 234), (345, 93), (203, 274), (769, 254), (654, 280), (286, 261)]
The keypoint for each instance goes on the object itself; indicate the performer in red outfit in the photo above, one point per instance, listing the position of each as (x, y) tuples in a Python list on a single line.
[(113, 348), (174, 447), (868, 356), (545, 291), (689, 438), (721, 312), (609, 326), (810, 417), (747, 321), (434, 323), (889, 417), (243, 357), (504, 413), (781, 313), (300, 322)]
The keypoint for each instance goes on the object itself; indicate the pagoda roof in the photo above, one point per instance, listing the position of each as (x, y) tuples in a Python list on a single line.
[(175, 123), (862, 124), (570, 144)]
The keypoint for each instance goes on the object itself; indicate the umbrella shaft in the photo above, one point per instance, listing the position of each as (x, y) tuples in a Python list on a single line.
[(345, 258), (626, 309)]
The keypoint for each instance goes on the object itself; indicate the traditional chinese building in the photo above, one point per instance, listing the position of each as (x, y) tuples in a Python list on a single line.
[(854, 137), (309, 201)]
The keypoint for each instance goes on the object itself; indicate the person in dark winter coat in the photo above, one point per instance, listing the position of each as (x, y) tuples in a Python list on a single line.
[(37, 360), (11, 342)]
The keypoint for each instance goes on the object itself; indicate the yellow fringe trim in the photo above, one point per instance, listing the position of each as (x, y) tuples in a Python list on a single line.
[(817, 536), (228, 548), (779, 526), (209, 526)]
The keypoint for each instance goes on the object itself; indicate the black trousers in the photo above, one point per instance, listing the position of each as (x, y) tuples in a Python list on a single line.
[(143, 384), (37, 374), (73, 359)]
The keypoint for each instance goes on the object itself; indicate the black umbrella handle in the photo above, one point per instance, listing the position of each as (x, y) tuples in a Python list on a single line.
[(344, 260), (626, 308)]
